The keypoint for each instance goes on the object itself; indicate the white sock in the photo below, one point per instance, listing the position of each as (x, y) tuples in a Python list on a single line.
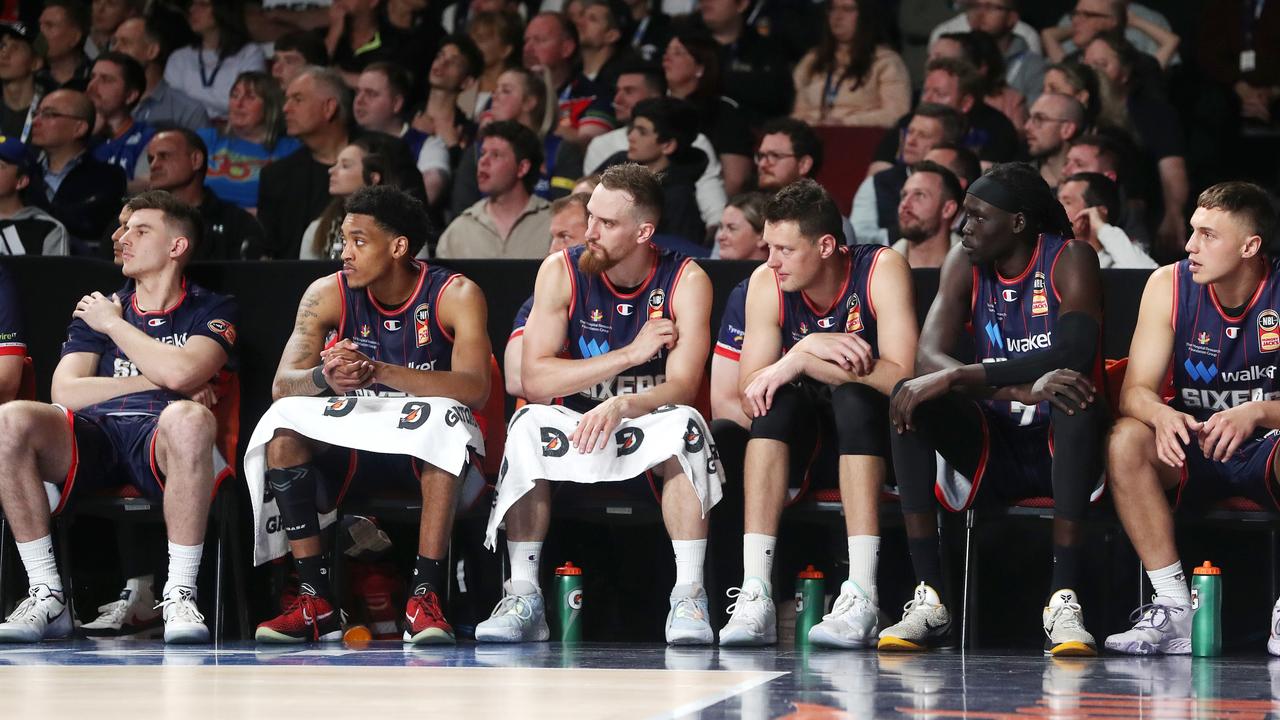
[(864, 557), (757, 558), (184, 565), (42, 566), (1171, 582), (689, 557), (524, 558)]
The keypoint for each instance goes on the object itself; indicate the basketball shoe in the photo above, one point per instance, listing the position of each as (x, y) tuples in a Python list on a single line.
[(520, 616), (183, 622), (1064, 627), (1273, 642), (43, 614), (687, 620), (424, 621), (1161, 627), (309, 618), (854, 620), (925, 623), (133, 613), (753, 619)]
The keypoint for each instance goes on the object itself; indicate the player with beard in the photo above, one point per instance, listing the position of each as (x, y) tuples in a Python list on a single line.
[(930, 202), (618, 329)]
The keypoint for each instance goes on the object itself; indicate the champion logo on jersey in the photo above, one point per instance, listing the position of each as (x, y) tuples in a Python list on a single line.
[(826, 322), (391, 325), (1009, 295), (155, 322), (1233, 332), (625, 309)]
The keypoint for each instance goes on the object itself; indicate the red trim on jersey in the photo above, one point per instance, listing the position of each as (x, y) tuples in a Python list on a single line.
[(727, 352), (1257, 293), (352, 461), (134, 302), (871, 298), (676, 283), (973, 300), (69, 483), (422, 277), (777, 284), (342, 306), (848, 277), (573, 285), (19, 349), (518, 332), (1022, 275), (1053, 267), (1173, 315), (447, 335), (653, 270)]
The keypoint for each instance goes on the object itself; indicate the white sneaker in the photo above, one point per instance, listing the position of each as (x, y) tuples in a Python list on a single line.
[(753, 620), (1162, 627), (1273, 642), (520, 616), (854, 620), (925, 622), (42, 615), (183, 622), (687, 620), (133, 613), (1064, 627)]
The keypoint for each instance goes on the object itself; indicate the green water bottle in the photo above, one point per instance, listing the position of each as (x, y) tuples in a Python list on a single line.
[(810, 601), (569, 590), (1206, 603)]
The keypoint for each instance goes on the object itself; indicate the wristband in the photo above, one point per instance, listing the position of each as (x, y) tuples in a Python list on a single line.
[(317, 378)]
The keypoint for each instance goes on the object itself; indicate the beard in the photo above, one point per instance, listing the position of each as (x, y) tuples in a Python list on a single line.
[(592, 262), (918, 232)]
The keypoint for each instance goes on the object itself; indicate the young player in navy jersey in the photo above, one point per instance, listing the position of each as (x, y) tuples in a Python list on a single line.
[(633, 321), (400, 328), (829, 331), (13, 342), (1211, 323), (129, 364), (1032, 300)]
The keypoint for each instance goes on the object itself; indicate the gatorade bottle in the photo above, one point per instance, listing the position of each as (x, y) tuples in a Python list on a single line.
[(809, 602), (1206, 603), (569, 590)]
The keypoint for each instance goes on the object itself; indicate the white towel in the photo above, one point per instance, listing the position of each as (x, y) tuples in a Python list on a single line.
[(438, 431), (538, 449)]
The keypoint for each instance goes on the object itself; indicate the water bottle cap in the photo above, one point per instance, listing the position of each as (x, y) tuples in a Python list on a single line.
[(568, 569), (810, 573), (1207, 569)]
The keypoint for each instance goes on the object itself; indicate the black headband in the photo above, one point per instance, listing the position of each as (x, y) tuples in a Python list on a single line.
[(995, 192)]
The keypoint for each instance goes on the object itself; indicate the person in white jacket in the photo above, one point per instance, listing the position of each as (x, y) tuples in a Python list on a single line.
[(1091, 200)]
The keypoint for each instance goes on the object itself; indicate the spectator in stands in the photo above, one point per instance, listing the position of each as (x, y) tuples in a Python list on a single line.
[(381, 92), (1239, 48), (649, 29), (354, 40), (178, 159), (927, 213), (691, 65), (295, 190), (24, 229), (789, 150), (1018, 42), (207, 69), (1054, 122), (498, 35), (874, 214), (81, 192), (741, 233), (1098, 153), (511, 222), (116, 83), (19, 65), (117, 258), (660, 137), (753, 67), (148, 41), (412, 30), (64, 24), (979, 50), (294, 52), (1091, 201), (1145, 28), (105, 18), (371, 159), (252, 139), (456, 15), (851, 77), (1081, 82), (551, 44), (453, 73), (960, 161), (599, 43), (641, 81)]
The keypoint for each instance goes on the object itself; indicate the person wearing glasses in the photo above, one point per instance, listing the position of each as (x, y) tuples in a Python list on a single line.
[(1147, 29), (789, 150), (1055, 121), (81, 192)]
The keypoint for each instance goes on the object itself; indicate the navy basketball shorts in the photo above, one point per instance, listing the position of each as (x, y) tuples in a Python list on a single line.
[(110, 451), (1247, 473)]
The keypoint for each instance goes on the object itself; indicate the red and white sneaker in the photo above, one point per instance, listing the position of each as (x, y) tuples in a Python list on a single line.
[(309, 619), (424, 621)]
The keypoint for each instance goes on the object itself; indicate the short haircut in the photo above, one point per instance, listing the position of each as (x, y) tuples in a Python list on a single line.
[(84, 110), (193, 141), (810, 206), (970, 81), (77, 12), (179, 218), (135, 77), (393, 211), (968, 167), (524, 143), (168, 29), (567, 28), (752, 206), (578, 200), (672, 118), (330, 82), (468, 50), (307, 44), (398, 81), (1250, 203), (1108, 150), (954, 125), (641, 185), (804, 141), (654, 79), (950, 184), (615, 16), (1099, 191)]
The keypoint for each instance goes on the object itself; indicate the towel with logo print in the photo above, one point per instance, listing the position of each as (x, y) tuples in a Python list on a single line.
[(538, 448), (436, 430)]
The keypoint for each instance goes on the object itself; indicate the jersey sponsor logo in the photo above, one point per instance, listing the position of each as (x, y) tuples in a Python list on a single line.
[(623, 385), (628, 440), (804, 328), (391, 325), (657, 300), (1009, 295), (1203, 338), (1039, 341), (1039, 301), (1268, 331), (853, 318), (1199, 371), (224, 329), (554, 442), (993, 334), (1233, 332), (1250, 374), (1216, 400), (413, 415), (624, 309), (155, 322), (693, 440), (596, 315), (339, 406), (421, 324), (365, 330), (593, 348), (826, 322), (428, 365)]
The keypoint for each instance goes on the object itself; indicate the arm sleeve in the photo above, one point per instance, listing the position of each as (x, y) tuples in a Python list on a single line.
[(1074, 347)]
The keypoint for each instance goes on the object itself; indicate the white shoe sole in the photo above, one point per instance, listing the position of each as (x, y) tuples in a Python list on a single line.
[(821, 637), (186, 635), (737, 638), (505, 635), (691, 637)]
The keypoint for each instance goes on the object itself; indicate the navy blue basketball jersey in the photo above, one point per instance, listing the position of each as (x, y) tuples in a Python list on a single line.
[(197, 312), (1012, 317), (852, 312), (733, 324), (410, 335), (12, 340), (1220, 362), (521, 319), (603, 318)]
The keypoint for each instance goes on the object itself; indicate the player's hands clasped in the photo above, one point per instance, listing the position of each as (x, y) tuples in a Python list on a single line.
[(656, 334), (597, 426), (345, 368), (1065, 389), (1222, 434), (1173, 431), (847, 350), (98, 311)]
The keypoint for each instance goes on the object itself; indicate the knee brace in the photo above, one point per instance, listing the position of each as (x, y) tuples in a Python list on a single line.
[(790, 414), (295, 491), (862, 420), (1077, 459)]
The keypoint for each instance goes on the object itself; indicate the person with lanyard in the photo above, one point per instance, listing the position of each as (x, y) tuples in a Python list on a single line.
[(207, 69)]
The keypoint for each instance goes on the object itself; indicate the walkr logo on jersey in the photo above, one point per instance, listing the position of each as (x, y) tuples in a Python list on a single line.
[(1268, 331), (421, 326)]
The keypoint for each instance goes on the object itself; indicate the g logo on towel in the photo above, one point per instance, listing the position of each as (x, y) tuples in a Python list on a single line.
[(628, 440), (693, 440), (413, 415), (554, 442), (339, 407)]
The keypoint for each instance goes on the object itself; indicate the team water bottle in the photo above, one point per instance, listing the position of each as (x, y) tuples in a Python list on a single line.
[(1206, 603), (569, 591), (810, 600)]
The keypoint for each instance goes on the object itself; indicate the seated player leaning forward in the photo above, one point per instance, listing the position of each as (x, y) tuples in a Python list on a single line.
[(830, 332), (124, 415), (1032, 298), (634, 323), (1213, 321), (401, 329)]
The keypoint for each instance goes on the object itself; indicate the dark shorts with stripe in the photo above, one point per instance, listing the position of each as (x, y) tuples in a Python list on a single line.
[(110, 451), (361, 475), (1001, 460), (1248, 473)]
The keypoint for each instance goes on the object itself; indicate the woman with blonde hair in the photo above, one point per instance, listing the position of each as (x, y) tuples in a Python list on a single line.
[(252, 139)]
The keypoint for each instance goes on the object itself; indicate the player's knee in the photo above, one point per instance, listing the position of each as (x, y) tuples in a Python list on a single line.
[(287, 448), (861, 417), (17, 422), (187, 425), (782, 418), (1128, 449)]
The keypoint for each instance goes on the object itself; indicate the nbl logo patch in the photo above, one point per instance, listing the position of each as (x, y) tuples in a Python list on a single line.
[(629, 440), (554, 442), (421, 324), (224, 329), (1039, 300), (339, 407), (1268, 331), (657, 300), (413, 415), (853, 319)]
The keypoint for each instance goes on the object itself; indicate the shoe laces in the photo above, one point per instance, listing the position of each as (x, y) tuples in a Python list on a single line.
[(429, 603), (26, 610), (846, 603), (687, 608), (1068, 615), (183, 602), (1152, 615), (513, 605), (743, 599), (113, 612)]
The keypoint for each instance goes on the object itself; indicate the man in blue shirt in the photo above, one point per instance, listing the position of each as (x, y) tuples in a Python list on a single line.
[(116, 84)]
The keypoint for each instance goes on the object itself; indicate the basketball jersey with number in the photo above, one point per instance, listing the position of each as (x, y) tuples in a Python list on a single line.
[(851, 312)]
